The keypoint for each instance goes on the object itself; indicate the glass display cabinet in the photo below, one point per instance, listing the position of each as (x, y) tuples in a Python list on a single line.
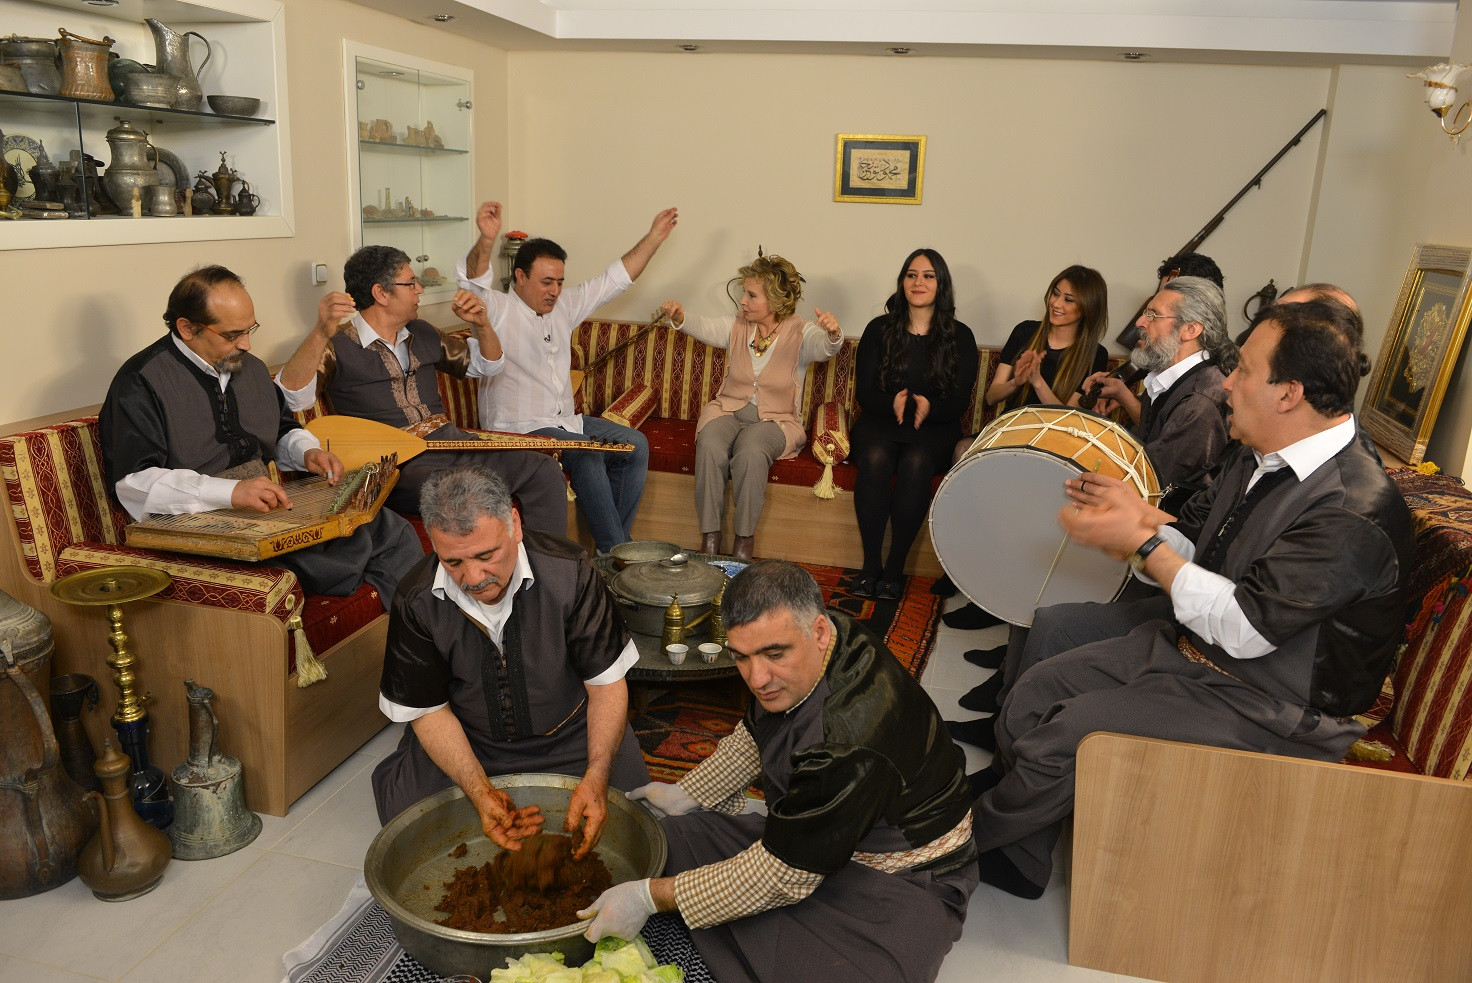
[(411, 125)]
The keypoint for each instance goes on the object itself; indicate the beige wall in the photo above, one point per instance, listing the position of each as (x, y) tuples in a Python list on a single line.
[(70, 316), (1032, 165)]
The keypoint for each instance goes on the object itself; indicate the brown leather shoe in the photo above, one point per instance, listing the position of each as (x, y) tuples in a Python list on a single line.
[(710, 542), (743, 547)]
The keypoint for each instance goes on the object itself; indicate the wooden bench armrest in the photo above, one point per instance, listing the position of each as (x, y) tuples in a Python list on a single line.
[(1199, 863)]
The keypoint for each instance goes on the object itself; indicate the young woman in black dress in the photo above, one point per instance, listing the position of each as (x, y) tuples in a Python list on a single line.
[(915, 370)]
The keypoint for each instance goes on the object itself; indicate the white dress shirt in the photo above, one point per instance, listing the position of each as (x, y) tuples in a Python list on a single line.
[(534, 390), (1206, 602), (493, 618), (1158, 383), (172, 491), (300, 399)]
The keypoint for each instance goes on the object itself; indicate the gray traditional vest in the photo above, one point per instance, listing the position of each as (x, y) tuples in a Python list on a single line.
[(369, 382), (211, 431)]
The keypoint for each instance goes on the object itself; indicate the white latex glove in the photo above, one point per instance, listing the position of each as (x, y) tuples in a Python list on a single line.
[(665, 798), (621, 911)]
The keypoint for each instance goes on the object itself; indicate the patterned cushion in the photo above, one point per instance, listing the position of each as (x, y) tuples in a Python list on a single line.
[(67, 522), (633, 407), (1433, 671)]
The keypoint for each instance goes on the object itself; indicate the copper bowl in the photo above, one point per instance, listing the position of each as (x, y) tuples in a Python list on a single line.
[(412, 852)]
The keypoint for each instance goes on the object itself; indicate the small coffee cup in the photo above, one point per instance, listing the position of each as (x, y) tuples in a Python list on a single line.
[(676, 653), (710, 651)]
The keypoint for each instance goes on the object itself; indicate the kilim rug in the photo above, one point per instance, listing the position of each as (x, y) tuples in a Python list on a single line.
[(681, 727)]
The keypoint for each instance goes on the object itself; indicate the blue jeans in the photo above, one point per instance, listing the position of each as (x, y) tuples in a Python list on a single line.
[(608, 485)]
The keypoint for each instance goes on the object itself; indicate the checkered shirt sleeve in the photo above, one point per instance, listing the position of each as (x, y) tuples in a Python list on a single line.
[(719, 782), (752, 881)]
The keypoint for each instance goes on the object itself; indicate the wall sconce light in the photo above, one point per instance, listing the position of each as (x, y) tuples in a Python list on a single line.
[(1441, 93)]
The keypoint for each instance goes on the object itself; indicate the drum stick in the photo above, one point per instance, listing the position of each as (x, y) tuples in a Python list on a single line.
[(1059, 555)]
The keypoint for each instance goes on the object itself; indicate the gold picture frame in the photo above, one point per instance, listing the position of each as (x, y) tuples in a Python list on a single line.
[(878, 167), (1420, 351)]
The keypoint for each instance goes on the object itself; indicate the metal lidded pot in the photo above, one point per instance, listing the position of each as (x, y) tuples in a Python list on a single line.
[(644, 590)]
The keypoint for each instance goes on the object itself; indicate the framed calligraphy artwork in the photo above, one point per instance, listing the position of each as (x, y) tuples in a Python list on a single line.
[(1419, 352), (875, 167)]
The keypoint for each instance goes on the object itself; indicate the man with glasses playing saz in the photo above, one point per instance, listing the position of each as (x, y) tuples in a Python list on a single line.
[(191, 422)]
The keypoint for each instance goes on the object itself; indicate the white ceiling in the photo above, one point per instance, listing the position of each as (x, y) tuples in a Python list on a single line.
[(1256, 31)]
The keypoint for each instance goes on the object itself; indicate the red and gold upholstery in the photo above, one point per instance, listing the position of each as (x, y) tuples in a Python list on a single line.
[(633, 407), (67, 522)]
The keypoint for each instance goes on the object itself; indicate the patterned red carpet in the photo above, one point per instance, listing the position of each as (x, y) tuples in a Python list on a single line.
[(683, 724)]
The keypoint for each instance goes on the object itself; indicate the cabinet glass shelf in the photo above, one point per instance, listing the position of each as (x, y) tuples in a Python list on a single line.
[(380, 145), (91, 109)]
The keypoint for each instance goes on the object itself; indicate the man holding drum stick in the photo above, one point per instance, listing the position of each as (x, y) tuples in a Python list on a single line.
[(1284, 588)]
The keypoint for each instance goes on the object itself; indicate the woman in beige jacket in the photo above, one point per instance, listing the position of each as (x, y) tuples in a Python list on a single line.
[(755, 418)]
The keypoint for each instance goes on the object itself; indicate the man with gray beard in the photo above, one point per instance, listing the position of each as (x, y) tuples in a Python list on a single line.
[(1183, 345)]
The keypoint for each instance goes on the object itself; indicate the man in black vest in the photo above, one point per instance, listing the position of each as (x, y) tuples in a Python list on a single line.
[(380, 364), (1184, 348), (1284, 597), (191, 422), (505, 654)]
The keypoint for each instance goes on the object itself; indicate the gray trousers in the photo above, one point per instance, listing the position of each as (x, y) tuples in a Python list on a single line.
[(740, 447), (1136, 684), (859, 926)]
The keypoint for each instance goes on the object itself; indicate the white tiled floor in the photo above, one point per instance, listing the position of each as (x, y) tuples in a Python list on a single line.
[(233, 918)]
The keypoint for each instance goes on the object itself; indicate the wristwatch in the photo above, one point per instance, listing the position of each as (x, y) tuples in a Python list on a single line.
[(1137, 558)]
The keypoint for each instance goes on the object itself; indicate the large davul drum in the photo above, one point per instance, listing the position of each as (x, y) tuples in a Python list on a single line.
[(994, 521)]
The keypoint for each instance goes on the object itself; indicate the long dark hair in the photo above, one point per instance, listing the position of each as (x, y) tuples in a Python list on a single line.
[(1092, 296), (941, 340)]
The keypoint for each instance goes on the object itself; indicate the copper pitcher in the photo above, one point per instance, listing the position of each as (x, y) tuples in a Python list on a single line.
[(45, 816), (127, 857)]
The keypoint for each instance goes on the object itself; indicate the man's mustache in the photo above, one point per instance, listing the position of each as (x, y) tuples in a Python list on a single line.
[(490, 581)]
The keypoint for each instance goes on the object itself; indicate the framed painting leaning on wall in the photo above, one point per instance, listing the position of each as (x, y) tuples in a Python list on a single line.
[(1420, 351)]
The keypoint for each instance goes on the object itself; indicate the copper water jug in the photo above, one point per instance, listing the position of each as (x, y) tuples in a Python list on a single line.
[(45, 817), (127, 857)]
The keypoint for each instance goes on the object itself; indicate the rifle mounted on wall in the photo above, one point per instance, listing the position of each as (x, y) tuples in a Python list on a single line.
[(1130, 334)]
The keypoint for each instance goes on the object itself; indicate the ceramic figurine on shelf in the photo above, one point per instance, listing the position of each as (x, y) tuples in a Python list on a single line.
[(432, 139)]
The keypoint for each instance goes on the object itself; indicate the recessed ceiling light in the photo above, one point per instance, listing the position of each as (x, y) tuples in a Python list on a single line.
[(900, 51), (103, 3), (1134, 55), (442, 18), (688, 47), (391, 74)]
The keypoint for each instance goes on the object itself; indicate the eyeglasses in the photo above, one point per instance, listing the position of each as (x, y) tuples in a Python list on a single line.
[(231, 336), (411, 283), (1150, 315)]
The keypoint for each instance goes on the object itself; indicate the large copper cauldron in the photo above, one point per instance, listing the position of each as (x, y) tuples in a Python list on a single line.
[(412, 852)]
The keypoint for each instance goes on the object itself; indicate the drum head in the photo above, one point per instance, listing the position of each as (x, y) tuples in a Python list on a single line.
[(995, 527)]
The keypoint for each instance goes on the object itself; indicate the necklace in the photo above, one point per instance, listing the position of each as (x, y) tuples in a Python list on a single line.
[(761, 342)]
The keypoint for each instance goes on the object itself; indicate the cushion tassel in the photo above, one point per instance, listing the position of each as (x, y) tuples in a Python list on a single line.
[(1363, 750), (824, 487), (309, 668)]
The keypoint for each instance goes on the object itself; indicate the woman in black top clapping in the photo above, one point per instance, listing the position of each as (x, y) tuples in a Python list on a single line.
[(915, 371)]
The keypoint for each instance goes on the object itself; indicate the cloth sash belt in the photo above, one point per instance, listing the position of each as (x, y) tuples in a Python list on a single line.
[(927, 857)]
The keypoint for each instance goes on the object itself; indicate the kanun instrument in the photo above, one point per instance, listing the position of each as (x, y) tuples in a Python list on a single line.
[(994, 521), (319, 512), (356, 441)]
